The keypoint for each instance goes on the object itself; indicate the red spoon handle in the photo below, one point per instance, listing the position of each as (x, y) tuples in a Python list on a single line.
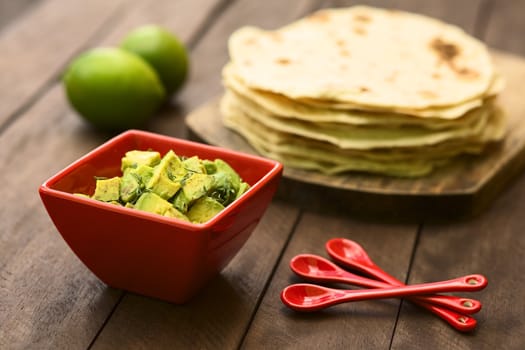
[(444, 306), (378, 273), (464, 305), (461, 284), (457, 304), (462, 323)]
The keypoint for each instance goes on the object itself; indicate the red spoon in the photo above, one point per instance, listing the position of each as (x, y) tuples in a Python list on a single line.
[(311, 297), (351, 254), (319, 269)]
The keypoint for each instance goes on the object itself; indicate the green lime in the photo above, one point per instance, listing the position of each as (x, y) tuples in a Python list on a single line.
[(163, 51), (113, 89)]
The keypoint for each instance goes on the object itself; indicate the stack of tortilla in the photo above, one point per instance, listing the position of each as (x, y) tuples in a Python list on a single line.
[(362, 89)]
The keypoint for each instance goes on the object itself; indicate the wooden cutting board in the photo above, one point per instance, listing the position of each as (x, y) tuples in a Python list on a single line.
[(463, 188)]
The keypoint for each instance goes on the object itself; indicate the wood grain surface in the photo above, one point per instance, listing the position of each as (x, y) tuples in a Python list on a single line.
[(49, 300)]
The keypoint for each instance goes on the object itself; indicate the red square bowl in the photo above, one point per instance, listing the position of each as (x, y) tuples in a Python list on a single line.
[(145, 253)]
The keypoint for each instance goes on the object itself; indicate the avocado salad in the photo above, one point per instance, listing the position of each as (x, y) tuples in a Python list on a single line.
[(190, 189)]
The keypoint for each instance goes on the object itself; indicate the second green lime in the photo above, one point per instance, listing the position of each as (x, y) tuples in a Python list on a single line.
[(163, 51)]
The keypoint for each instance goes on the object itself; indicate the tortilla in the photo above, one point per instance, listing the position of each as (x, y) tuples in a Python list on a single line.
[(330, 164), (367, 57), (281, 106), (349, 137), (351, 113)]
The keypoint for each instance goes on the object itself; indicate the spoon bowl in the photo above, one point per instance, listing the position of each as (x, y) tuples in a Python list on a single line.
[(342, 247), (310, 297), (316, 268)]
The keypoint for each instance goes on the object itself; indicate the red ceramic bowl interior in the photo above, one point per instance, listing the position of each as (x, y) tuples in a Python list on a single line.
[(147, 253)]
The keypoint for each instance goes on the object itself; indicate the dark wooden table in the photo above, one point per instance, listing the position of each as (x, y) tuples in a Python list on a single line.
[(49, 300)]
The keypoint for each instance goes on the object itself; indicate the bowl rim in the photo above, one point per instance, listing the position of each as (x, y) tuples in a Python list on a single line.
[(46, 187)]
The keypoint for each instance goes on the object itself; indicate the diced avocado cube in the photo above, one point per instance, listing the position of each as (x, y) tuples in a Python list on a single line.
[(135, 158), (197, 185), (163, 186), (204, 209), (193, 165), (107, 190), (166, 177), (152, 203), (227, 183), (223, 190), (130, 187), (228, 186), (209, 166), (223, 167), (144, 172), (173, 166), (130, 205), (174, 213), (243, 187), (181, 202), (134, 182)]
